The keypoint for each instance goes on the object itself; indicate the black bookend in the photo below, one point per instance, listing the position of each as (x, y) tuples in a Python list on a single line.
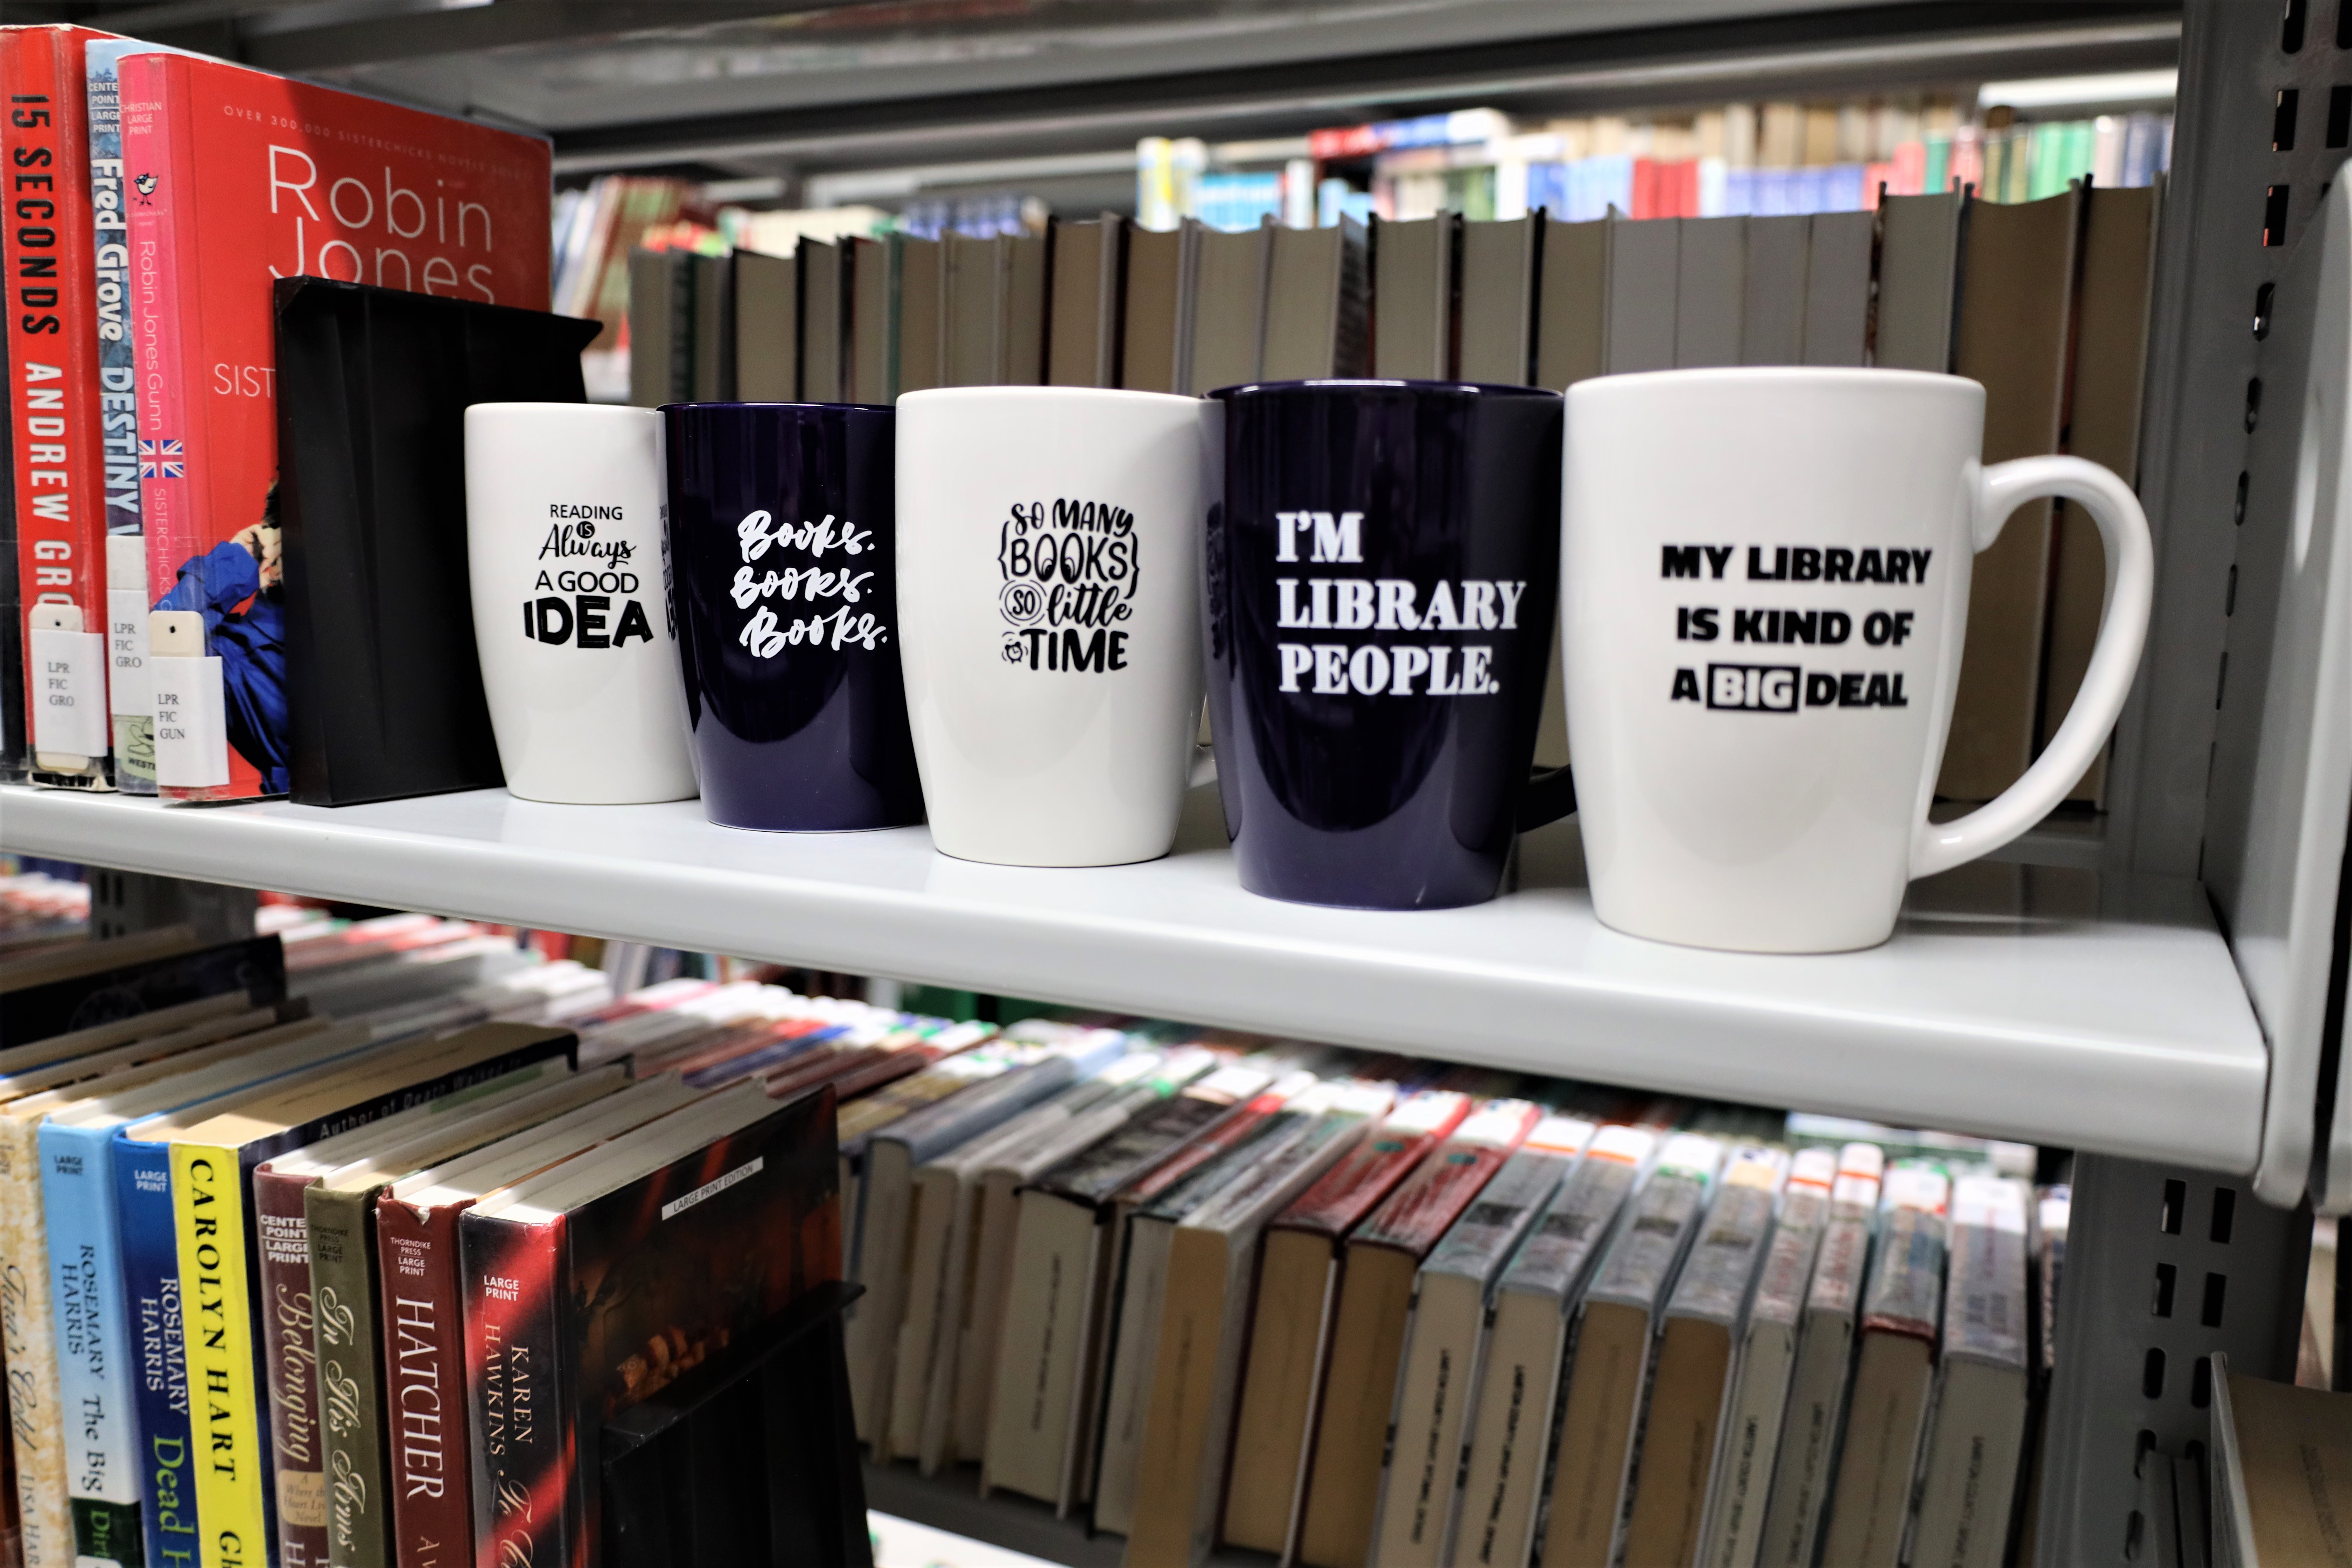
[(254, 965), (751, 1460), (373, 388)]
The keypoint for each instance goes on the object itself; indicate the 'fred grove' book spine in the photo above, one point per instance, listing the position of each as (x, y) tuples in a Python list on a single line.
[(350, 1350), (158, 162), (151, 1283), (513, 1287)]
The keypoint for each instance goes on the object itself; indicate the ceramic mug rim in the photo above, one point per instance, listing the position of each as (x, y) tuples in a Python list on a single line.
[(1925, 383), (792, 403), (1448, 387), (930, 395), (589, 410)]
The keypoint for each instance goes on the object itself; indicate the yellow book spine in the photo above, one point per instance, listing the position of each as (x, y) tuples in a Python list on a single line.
[(208, 1212)]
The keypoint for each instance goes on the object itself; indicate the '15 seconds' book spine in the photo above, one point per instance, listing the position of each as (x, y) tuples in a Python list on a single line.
[(513, 1290), (53, 415), (151, 1283)]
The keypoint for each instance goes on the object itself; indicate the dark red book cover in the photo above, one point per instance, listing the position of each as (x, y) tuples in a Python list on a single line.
[(574, 1317), (1420, 1211), (237, 178), (57, 463), (425, 1385), (852, 1070), (288, 1351), (1367, 1172), (1230, 1131)]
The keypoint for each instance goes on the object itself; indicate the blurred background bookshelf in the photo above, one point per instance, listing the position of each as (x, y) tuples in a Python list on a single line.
[(2010, 141)]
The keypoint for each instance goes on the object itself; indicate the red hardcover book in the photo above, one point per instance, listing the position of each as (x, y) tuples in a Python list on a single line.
[(424, 1382), (57, 463), (588, 1293), (238, 177)]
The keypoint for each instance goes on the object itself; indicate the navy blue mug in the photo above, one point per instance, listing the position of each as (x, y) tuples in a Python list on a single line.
[(783, 580), (1381, 572)]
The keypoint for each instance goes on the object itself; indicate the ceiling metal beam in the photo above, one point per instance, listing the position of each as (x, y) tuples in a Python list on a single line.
[(1906, 45), (139, 20), (419, 34)]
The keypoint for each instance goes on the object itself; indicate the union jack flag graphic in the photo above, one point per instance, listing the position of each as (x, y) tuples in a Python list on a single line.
[(161, 460)]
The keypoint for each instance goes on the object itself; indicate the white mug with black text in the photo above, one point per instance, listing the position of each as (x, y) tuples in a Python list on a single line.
[(1764, 591), (1049, 545), (564, 546)]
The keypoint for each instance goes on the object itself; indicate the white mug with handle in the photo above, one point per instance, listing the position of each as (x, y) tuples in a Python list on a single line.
[(1764, 591)]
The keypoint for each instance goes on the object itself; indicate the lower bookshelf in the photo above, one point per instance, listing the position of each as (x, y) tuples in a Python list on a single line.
[(952, 1502), (2044, 1004)]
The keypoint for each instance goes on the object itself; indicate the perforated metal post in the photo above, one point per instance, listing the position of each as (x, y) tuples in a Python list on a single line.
[(121, 902), (2163, 1269)]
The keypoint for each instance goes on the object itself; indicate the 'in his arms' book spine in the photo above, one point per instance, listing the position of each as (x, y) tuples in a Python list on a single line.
[(351, 1375)]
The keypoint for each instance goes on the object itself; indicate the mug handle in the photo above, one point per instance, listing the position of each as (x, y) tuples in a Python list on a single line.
[(1548, 796), (2122, 628)]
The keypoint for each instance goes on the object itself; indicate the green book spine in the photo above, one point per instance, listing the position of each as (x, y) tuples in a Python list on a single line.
[(350, 1344)]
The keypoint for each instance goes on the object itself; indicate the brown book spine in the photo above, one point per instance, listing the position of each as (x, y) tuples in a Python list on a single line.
[(287, 1341), (425, 1387)]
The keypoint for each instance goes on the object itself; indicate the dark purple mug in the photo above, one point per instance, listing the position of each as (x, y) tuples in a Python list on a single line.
[(782, 575), (1381, 572)]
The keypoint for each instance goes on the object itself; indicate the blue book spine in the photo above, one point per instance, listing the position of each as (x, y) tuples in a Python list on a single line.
[(93, 1341), (151, 1290)]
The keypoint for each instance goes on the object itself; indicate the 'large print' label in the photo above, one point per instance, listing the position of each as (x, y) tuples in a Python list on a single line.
[(1067, 583)]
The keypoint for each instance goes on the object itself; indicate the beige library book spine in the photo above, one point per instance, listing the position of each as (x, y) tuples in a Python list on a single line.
[(2015, 331)]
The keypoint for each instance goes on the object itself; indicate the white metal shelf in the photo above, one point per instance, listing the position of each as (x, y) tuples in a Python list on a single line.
[(2036, 1003)]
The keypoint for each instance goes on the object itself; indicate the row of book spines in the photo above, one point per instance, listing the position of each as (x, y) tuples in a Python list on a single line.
[(225, 1337)]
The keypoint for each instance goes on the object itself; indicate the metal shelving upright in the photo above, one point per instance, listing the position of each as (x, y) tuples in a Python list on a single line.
[(2168, 1263)]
